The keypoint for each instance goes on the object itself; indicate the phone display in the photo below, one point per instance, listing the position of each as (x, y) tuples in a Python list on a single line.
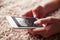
[(22, 22)]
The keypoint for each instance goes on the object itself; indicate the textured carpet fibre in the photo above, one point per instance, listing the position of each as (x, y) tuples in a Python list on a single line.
[(15, 8)]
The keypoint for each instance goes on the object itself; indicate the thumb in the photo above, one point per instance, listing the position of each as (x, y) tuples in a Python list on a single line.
[(44, 20)]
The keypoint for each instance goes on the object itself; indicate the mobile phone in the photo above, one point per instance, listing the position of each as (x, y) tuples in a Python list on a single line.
[(22, 22)]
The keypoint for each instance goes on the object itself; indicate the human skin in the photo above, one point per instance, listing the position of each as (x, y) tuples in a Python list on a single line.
[(52, 24), (45, 7), (39, 11)]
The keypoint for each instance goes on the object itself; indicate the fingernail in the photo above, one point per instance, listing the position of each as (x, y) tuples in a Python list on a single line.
[(35, 22), (34, 15), (43, 25)]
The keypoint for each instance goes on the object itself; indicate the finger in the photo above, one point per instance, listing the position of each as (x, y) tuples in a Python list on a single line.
[(38, 12), (44, 31), (27, 13), (44, 20), (38, 30), (30, 31)]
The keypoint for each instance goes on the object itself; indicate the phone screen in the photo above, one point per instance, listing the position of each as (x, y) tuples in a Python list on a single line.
[(24, 22)]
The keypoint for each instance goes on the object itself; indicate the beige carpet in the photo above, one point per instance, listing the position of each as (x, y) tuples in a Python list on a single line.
[(15, 8)]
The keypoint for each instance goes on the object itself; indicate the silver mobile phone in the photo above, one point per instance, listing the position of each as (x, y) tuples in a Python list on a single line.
[(22, 22)]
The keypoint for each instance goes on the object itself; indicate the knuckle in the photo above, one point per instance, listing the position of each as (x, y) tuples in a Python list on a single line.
[(37, 8), (45, 35), (51, 18)]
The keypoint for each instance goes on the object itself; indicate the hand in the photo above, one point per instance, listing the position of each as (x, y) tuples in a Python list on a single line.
[(36, 12), (52, 23), (52, 26), (42, 9)]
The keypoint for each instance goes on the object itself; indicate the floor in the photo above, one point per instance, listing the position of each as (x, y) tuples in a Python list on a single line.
[(15, 8)]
